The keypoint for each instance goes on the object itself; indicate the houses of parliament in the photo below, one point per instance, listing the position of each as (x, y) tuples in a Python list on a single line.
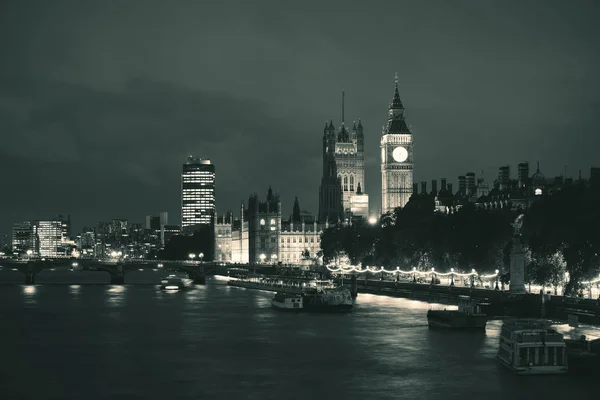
[(259, 234)]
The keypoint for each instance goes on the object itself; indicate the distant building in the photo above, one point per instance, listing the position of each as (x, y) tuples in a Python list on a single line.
[(197, 194), (24, 237), (223, 238), (264, 225), (359, 204), (50, 237), (259, 235), (504, 177), (300, 240), (595, 175), (523, 175)]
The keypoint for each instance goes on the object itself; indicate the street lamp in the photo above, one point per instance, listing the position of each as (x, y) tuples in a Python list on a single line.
[(432, 275), (262, 258), (497, 288), (192, 256), (473, 273), (372, 220), (29, 253), (201, 256), (451, 276), (414, 274)]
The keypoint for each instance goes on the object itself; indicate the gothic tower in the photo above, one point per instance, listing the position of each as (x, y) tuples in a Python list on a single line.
[(396, 157), (346, 150), (330, 193)]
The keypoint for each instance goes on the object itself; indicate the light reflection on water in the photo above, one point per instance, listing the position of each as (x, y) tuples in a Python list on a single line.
[(115, 295), (29, 292), (74, 290), (215, 342)]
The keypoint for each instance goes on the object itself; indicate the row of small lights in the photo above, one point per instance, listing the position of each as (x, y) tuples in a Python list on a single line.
[(414, 271)]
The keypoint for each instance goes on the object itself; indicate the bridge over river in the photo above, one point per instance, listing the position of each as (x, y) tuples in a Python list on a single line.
[(30, 267)]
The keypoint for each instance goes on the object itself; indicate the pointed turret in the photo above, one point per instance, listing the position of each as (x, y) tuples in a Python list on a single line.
[(396, 122), (353, 126), (396, 102), (358, 189), (360, 127)]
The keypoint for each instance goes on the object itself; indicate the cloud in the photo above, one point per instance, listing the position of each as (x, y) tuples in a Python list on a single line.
[(122, 151)]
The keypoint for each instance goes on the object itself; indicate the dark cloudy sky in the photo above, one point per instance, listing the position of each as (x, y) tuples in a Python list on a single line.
[(101, 101)]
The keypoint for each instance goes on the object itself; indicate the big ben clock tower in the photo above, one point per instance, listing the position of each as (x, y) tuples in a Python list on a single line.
[(396, 158)]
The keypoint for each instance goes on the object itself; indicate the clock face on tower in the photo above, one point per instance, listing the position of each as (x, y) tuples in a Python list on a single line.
[(400, 154)]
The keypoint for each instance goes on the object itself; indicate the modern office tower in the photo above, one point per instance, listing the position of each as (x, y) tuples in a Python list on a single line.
[(197, 194), (87, 242), (397, 161), (50, 237), (504, 177), (523, 175), (471, 185), (24, 238), (462, 185)]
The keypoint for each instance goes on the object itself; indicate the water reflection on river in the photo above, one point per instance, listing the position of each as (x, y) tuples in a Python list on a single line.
[(216, 342)]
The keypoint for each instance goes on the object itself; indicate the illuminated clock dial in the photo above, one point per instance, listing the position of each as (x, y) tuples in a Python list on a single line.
[(400, 154)]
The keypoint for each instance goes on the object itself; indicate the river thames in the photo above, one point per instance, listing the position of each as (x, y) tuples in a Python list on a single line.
[(98, 341)]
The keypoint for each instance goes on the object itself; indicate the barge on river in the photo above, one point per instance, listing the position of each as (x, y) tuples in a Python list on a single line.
[(532, 347), (468, 316)]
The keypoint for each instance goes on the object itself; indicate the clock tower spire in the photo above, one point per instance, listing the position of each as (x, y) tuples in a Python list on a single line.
[(396, 157)]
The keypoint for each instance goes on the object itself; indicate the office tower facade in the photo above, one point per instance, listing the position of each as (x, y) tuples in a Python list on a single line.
[(471, 185), (397, 161), (24, 238), (50, 236), (523, 175), (462, 185), (504, 177), (197, 194)]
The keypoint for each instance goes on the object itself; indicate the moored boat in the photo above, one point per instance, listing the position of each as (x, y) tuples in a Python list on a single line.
[(327, 298), (468, 316), (532, 347), (287, 302)]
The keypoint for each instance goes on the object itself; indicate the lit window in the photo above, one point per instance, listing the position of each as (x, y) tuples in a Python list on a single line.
[(262, 221), (272, 221)]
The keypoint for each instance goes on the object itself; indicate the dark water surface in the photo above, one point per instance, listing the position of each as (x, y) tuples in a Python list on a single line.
[(96, 341)]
